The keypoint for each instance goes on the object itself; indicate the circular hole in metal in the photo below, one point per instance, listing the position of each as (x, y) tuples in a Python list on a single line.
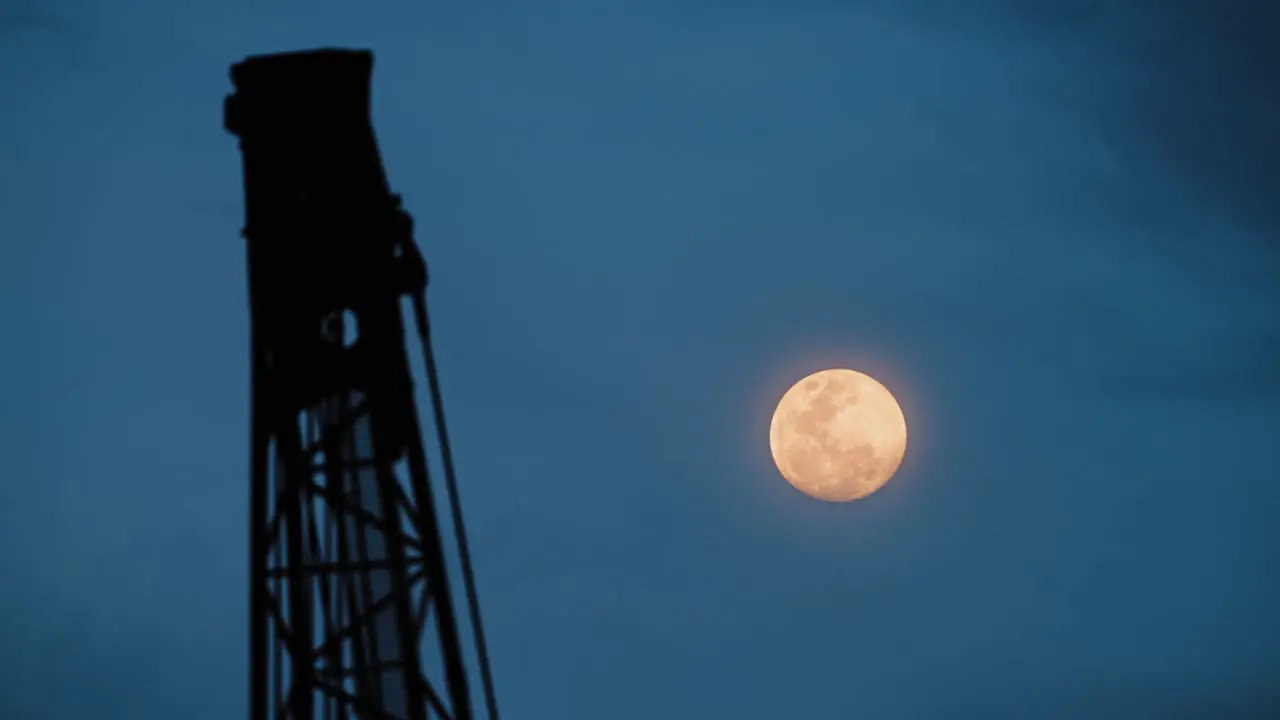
[(340, 328), (350, 329)]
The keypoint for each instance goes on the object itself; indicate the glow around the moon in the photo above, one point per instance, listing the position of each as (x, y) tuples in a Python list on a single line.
[(838, 435)]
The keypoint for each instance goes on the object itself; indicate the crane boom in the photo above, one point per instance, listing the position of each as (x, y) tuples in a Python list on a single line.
[(349, 592)]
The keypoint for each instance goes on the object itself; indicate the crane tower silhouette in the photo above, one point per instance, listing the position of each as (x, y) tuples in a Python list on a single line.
[(351, 614)]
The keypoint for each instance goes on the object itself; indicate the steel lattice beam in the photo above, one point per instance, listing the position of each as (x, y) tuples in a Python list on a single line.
[(348, 586)]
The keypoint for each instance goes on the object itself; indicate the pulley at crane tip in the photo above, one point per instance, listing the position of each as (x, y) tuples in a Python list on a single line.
[(312, 80)]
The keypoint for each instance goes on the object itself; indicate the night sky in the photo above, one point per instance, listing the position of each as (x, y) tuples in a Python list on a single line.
[(1048, 227)]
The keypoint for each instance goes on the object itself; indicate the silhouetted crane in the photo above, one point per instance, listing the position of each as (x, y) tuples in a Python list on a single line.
[(351, 610)]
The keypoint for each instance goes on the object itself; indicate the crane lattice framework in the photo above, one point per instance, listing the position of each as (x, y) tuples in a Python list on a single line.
[(351, 611)]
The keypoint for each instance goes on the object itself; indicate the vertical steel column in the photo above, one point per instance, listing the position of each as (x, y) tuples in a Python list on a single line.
[(346, 560)]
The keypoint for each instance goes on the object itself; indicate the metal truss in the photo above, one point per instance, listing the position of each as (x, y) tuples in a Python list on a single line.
[(351, 611)]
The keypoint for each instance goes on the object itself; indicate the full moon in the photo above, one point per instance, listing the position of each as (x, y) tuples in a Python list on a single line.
[(838, 435)]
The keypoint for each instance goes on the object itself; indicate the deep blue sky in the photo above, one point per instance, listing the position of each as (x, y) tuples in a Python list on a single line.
[(1046, 226)]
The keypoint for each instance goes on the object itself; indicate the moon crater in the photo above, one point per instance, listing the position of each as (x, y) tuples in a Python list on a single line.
[(838, 435)]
